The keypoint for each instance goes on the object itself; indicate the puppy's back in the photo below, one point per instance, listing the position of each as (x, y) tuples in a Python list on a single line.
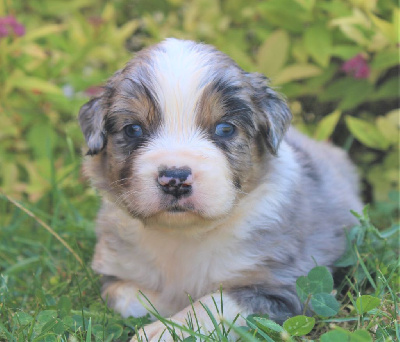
[(330, 162), (329, 182)]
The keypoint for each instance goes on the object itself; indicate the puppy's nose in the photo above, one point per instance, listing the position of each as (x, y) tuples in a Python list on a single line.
[(176, 181)]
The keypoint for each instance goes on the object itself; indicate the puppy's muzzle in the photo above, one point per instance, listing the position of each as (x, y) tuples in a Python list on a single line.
[(176, 181)]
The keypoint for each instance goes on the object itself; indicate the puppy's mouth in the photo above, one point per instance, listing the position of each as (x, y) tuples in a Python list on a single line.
[(177, 209), (176, 215)]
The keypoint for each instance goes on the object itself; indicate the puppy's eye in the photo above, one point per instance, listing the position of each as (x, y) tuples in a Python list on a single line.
[(133, 131), (225, 130)]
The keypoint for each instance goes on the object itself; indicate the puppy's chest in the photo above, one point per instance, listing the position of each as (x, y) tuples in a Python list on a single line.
[(177, 266)]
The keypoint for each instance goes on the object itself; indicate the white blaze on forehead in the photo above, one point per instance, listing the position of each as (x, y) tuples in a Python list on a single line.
[(180, 72)]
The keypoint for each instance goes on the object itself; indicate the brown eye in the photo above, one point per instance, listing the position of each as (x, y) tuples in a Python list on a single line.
[(133, 131), (225, 130)]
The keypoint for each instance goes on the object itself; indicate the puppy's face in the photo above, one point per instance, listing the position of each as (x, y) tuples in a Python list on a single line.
[(180, 134)]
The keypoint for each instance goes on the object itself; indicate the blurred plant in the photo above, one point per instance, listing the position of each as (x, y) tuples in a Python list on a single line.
[(336, 61), (45, 76)]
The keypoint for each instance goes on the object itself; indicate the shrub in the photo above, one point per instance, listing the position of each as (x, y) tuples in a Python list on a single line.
[(336, 61)]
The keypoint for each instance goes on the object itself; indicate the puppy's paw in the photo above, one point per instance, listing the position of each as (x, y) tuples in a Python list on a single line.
[(157, 331), (200, 318)]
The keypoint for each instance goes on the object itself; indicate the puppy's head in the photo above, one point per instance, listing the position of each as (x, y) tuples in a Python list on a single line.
[(181, 133)]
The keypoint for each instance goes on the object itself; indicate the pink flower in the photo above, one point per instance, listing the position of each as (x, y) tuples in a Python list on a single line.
[(8, 25), (356, 67), (8, 20), (19, 29)]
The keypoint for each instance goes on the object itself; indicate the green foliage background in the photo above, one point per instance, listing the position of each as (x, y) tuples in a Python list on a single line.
[(300, 44), (71, 47)]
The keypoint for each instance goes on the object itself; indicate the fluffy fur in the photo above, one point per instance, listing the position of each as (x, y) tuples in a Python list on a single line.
[(263, 204)]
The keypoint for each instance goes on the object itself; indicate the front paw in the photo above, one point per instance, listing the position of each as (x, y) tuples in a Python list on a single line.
[(199, 317), (157, 331)]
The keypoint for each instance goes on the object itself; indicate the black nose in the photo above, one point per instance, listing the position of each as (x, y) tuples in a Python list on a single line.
[(176, 181)]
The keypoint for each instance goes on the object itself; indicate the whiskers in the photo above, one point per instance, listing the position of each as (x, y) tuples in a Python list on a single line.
[(124, 196), (116, 184)]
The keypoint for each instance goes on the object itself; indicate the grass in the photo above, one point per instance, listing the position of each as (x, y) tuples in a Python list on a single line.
[(48, 291)]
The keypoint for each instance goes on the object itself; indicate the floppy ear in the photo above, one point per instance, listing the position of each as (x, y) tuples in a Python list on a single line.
[(91, 117), (274, 113)]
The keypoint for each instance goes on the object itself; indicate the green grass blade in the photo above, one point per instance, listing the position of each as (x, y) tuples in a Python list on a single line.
[(247, 337), (259, 331), (365, 269), (214, 321), (89, 331)]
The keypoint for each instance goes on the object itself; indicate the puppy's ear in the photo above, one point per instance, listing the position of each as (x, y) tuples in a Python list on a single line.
[(91, 120), (274, 113)]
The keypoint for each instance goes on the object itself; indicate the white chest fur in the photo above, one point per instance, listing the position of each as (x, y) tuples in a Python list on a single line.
[(171, 264)]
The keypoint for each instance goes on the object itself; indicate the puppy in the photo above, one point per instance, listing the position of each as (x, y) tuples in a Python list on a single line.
[(205, 185)]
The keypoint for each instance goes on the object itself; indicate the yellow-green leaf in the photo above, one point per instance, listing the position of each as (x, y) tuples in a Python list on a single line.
[(367, 133), (306, 4), (345, 51), (9, 173), (299, 325), (385, 59), (355, 34), (273, 53), (43, 31), (352, 26), (34, 50), (299, 52), (31, 83), (396, 18), (357, 18), (388, 29), (108, 12), (239, 56), (366, 303), (318, 42), (327, 125), (104, 53), (389, 125), (77, 33), (127, 30), (296, 72), (9, 126), (55, 8)]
